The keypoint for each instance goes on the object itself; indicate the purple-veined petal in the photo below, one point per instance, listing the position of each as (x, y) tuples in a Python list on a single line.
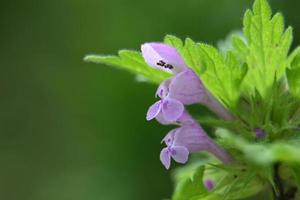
[(180, 154), (195, 139), (192, 136), (164, 57), (169, 138), (187, 88), (172, 109), (184, 119), (154, 110), (165, 157), (163, 89), (161, 119)]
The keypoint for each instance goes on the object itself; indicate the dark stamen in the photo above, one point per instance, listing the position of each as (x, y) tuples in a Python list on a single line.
[(169, 66), (161, 63)]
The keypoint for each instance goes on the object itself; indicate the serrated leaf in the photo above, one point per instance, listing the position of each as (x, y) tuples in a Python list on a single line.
[(292, 57), (268, 46), (189, 183), (222, 76), (131, 61), (240, 48), (191, 55), (173, 41)]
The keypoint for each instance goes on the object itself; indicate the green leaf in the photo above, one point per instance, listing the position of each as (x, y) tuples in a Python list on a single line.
[(239, 47), (261, 154), (222, 76), (233, 182), (192, 56), (227, 44), (293, 76), (189, 52), (296, 175), (267, 46), (131, 61), (293, 73), (189, 183), (173, 41)]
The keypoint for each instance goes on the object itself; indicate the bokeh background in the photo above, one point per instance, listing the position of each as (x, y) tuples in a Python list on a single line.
[(71, 130)]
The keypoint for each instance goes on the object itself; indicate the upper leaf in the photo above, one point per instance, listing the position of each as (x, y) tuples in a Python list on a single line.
[(131, 61), (267, 46), (221, 74)]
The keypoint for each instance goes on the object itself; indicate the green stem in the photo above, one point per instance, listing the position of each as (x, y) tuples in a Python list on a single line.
[(279, 184)]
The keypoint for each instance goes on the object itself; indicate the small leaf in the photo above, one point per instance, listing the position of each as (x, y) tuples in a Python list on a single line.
[(189, 183), (131, 61), (293, 73), (240, 48), (261, 154), (192, 56), (173, 41)]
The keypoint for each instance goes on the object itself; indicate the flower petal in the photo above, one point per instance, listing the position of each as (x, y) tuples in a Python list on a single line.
[(185, 119), (163, 57), (161, 119), (187, 88), (172, 109), (163, 89), (165, 157), (154, 110), (169, 138), (180, 154), (193, 137)]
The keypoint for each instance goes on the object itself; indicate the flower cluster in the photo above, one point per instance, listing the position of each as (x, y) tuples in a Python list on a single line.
[(182, 89)]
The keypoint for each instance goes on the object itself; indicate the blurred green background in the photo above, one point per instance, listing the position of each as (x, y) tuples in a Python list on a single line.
[(71, 130)]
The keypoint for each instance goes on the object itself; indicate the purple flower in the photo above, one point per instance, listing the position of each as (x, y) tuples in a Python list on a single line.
[(187, 139), (209, 184), (170, 109), (163, 57), (259, 133), (184, 88)]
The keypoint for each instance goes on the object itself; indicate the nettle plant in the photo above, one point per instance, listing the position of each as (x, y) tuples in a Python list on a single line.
[(249, 89)]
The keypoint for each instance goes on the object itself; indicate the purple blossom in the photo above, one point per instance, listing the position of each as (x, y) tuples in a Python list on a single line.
[(187, 139), (185, 88), (209, 184), (170, 109), (259, 133), (163, 57)]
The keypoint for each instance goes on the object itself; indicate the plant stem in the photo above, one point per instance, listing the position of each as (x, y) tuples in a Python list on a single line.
[(278, 182)]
